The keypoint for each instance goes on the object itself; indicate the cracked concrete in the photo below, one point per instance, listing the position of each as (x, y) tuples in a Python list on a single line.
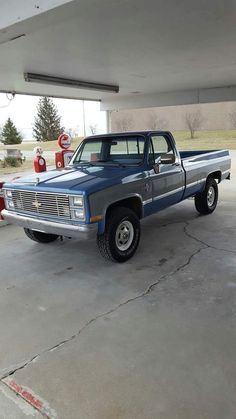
[(204, 243), (151, 338), (150, 288), (167, 352)]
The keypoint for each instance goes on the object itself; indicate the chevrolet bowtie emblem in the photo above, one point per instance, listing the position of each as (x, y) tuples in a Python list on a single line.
[(36, 204)]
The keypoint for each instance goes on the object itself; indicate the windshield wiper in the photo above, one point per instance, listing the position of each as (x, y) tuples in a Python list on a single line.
[(113, 162), (83, 163), (98, 163)]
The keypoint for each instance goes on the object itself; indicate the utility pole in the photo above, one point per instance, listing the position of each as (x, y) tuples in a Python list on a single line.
[(84, 122), (108, 121)]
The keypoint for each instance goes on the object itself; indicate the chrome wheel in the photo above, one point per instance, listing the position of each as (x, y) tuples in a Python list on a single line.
[(211, 196), (124, 235)]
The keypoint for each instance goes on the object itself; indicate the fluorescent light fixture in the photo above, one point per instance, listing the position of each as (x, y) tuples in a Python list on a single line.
[(79, 84), (4, 41)]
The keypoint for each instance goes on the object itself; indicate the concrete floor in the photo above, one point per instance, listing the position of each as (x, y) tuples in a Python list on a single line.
[(154, 338)]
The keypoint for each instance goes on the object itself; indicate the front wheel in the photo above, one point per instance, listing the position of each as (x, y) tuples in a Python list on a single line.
[(206, 201), (121, 237), (39, 237)]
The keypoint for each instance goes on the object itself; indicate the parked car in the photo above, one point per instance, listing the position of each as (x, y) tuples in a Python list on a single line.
[(111, 183), (14, 152)]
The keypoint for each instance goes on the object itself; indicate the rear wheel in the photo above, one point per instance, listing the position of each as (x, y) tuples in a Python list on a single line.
[(206, 201), (40, 237), (121, 237)]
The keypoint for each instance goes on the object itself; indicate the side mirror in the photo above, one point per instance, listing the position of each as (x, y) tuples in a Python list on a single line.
[(164, 159), (167, 159)]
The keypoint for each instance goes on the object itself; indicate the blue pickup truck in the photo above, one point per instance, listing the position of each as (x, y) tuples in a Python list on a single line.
[(111, 183)]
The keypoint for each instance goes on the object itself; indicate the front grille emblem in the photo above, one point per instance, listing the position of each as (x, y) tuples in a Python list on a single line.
[(36, 204), (42, 203)]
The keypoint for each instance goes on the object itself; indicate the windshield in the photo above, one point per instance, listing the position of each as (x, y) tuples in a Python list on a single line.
[(111, 151)]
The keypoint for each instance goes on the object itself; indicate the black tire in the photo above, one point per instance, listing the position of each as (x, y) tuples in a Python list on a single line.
[(39, 237), (118, 220), (202, 201)]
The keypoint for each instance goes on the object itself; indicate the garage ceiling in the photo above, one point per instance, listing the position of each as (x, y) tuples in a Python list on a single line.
[(159, 52)]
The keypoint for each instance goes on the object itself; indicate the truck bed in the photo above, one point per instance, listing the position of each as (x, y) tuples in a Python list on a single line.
[(198, 164), (186, 154)]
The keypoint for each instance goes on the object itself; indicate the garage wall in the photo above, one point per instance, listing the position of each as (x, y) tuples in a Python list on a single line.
[(214, 116)]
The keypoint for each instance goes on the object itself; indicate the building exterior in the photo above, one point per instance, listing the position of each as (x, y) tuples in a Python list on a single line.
[(214, 116)]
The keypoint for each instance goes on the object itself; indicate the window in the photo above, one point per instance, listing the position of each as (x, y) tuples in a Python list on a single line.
[(111, 150), (131, 147), (159, 145), (91, 151)]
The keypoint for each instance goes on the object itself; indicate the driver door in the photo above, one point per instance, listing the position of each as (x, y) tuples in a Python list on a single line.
[(167, 179)]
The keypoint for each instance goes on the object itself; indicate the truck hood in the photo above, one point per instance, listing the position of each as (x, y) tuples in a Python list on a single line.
[(87, 179)]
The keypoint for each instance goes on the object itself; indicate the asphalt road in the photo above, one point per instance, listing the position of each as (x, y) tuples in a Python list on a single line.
[(154, 338)]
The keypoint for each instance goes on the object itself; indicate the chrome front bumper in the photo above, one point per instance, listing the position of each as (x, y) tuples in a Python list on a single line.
[(85, 231)]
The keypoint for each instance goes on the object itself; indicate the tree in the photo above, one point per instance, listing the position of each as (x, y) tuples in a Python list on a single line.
[(72, 132), (47, 125), (194, 122), (232, 117), (1, 133), (10, 134), (154, 122), (125, 123), (93, 128)]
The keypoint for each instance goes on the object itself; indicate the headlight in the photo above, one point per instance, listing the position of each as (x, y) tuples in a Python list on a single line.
[(79, 214), (8, 194), (9, 204), (78, 201), (77, 207)]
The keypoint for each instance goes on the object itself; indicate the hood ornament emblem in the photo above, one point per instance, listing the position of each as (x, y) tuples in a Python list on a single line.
[(37, 181)]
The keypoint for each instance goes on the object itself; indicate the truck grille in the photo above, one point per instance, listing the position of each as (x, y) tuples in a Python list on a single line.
[(42, 203)]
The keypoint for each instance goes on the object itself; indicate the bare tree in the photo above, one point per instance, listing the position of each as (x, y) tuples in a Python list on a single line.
[(123, 124), (71, 132), (93, 128), (1, 127), (154, 122), (194, 121), (232, 118)]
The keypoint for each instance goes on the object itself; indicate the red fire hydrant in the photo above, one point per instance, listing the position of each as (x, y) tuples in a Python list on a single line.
[(2, 204), (39, 161), (62, 158)]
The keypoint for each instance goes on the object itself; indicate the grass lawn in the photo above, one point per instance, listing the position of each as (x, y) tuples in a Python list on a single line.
[(48, 145), (206, 140), (203, 140), (27, 165)]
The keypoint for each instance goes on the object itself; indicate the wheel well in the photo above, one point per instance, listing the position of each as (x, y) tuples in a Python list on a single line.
[(215, 175), (134, 203)]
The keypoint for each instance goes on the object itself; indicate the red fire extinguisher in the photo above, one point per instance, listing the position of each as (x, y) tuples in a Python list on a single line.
[(39, 161)]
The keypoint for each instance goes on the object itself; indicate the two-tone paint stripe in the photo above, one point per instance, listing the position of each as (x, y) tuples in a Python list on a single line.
[(174, 191), (165, 195), (197, 182), (147, 201)]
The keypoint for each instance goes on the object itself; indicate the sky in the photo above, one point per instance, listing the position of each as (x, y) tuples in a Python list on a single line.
[(22, 110)]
